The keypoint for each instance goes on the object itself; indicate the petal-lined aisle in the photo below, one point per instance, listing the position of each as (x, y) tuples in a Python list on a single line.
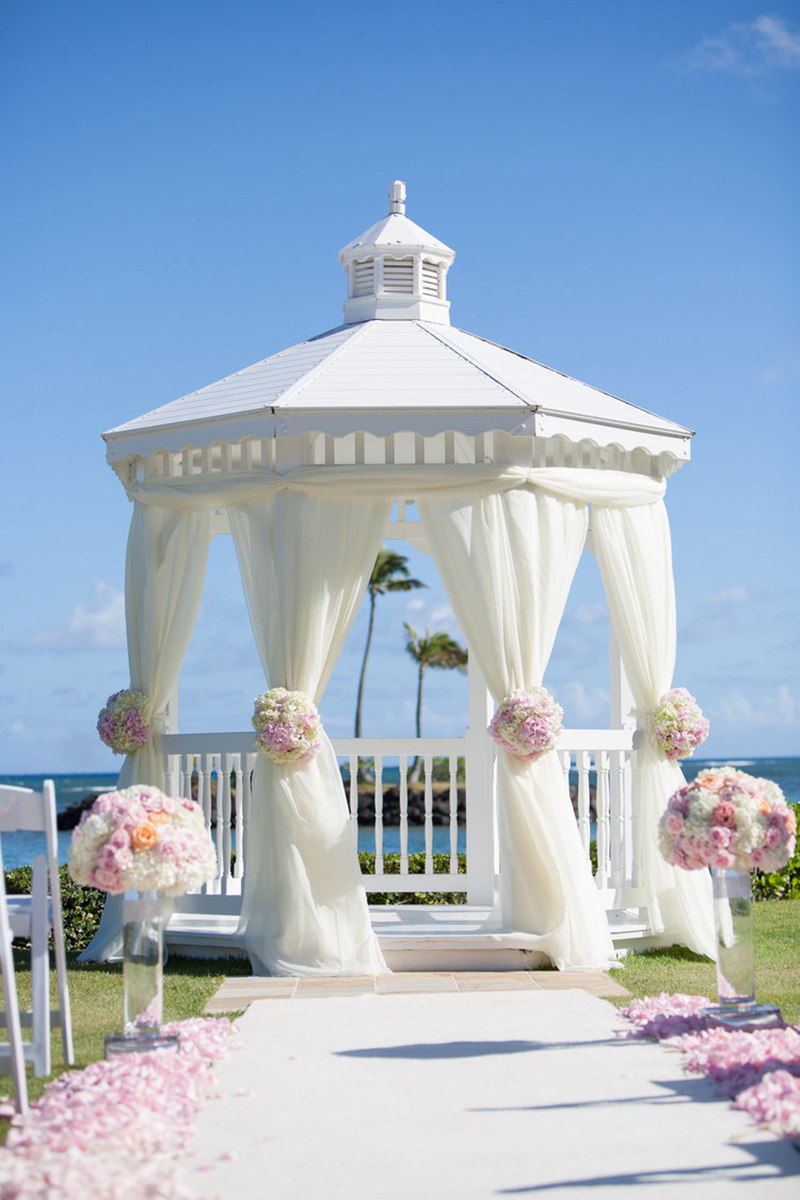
[(117, 1130)]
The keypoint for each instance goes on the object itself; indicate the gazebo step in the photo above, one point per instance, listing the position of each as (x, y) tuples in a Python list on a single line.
[(412, 937)]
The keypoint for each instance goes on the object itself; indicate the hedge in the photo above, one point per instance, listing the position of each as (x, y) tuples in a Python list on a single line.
[(83, 906)]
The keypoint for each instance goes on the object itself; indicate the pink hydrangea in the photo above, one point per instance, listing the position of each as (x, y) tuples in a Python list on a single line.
[(679, 724), (527, 724), (124, 723), (287, 725)]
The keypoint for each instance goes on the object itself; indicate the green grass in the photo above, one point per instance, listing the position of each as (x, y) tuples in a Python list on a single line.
[(776, 926), (96, 1001)]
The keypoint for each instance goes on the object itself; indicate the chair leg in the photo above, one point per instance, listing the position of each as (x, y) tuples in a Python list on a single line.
[(40, 969), (17, 1053), (61, 973)]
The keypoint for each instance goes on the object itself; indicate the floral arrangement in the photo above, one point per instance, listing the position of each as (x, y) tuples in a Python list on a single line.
[(728, 820), (287, 725), (679, 724), (527, 724), (124, 723), (140, 838)]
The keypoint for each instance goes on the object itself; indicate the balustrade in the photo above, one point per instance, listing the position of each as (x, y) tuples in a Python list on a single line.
[(216, 769)]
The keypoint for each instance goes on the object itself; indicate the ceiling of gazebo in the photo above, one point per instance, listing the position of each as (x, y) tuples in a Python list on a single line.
[(390, 376)]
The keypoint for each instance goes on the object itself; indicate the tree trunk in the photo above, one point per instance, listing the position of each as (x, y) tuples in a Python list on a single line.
[(364, 664), (416, 766)]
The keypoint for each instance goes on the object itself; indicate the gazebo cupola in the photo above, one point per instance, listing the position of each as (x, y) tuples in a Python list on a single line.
[(396, 271)]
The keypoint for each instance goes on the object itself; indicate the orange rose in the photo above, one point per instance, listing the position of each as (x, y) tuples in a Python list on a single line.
[(144, 836), (158, 818)]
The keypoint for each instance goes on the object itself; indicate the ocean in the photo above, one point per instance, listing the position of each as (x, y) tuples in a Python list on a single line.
[(20, 849)]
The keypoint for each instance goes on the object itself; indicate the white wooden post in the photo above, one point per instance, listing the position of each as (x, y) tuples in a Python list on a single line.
[(623, 831), (481, 822)]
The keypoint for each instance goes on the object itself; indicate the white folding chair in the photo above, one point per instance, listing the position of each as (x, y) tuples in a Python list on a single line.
[(34, 916), (13, 1048)]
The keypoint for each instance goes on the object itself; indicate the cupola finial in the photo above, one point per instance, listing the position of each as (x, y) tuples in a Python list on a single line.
[(397, 197), (395, 270)]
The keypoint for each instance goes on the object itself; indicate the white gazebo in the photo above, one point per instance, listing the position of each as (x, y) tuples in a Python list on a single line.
[(398, 425)]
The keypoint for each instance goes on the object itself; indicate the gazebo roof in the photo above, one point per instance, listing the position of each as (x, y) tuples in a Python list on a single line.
[(404, 370)]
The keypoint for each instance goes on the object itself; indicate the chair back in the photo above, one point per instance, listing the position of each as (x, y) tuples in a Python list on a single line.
[(22, 809), (35, 914)]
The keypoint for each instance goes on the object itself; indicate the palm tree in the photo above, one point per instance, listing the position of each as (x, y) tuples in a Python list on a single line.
[(390, 574), (433, 650)]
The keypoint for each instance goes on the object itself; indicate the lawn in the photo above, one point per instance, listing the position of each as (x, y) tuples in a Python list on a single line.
[(776, 926), (96, 988), (96, 1000)]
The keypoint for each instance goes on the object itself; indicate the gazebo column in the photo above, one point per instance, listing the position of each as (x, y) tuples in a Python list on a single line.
[(622, 703), (622, 715), (481, 817)]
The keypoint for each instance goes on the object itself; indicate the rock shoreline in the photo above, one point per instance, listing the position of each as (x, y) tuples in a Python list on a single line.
[(440, 815)]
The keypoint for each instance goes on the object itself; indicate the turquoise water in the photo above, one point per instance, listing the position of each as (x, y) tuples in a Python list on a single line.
[(20, 849)]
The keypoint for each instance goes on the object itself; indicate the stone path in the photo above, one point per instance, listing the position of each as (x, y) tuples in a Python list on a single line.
[(239, 991)]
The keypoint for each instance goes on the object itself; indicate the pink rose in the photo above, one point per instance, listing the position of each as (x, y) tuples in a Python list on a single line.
[(673, 822), (725, 814)]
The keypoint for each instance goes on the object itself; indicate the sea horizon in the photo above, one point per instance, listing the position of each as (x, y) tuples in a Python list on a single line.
[(20, 849)]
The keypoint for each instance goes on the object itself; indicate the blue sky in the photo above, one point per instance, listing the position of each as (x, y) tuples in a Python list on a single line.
[(619, 180)]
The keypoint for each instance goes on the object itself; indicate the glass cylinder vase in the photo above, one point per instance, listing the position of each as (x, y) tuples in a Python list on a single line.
[(736, 969), (142, 977)]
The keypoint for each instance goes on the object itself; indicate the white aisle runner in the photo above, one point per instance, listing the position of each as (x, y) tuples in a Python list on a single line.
[(470, 1096)]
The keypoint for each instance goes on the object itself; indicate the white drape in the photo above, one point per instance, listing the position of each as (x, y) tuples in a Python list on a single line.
[(305, 564), (165, 568), (397, 481), (507, 561), (633, 551)]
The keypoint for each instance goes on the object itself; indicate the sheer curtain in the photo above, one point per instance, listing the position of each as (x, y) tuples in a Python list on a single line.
[(164, 572), (305, 564), (633, 550), (507, 561)]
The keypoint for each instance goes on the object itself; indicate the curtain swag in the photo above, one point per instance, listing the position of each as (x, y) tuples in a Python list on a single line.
[(388, 481)]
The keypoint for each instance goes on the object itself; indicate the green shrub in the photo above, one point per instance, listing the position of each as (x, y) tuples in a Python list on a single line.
[(82, 906), (441, 770), (416, 866)]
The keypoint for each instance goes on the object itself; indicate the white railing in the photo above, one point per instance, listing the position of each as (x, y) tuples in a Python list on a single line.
[(217, 770), (203, 766), (605, 759), (370, 756)]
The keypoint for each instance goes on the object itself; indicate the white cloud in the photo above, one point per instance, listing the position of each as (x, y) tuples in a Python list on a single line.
[(785, 369), (431, 613), (583, 708), (98, 625), (585, 615), (727, 598), (776, 709), (718, 613), (750, 49)]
